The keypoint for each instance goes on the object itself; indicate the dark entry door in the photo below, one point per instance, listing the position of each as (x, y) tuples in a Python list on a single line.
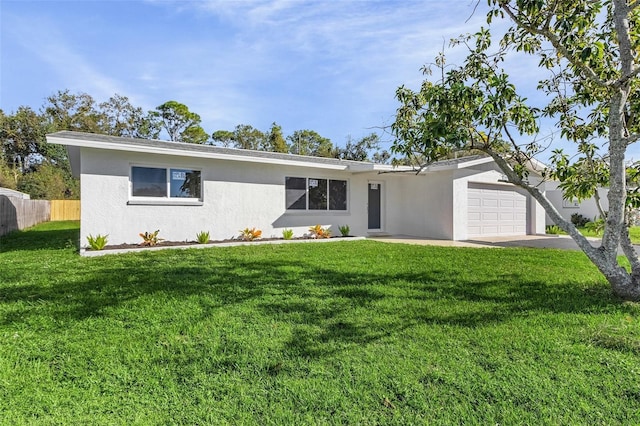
[(375, 189)]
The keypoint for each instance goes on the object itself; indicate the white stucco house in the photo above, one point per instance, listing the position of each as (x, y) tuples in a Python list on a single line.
[(566, 207), (129, 186)]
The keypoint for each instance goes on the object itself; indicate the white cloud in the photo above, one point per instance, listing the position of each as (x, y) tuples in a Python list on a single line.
[(75, 71)]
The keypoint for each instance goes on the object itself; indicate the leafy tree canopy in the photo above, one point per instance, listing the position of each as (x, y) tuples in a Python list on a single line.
[(309, 142), (180, 124), (223, 137), (275, 140), (119, 117), (366, 148)]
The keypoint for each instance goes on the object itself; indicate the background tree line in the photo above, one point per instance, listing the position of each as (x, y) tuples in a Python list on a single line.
[(30, 165)]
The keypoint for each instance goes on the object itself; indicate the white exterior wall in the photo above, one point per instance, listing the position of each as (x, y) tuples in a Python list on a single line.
[(435, 204), (235, 195), (586, 208), (416, 205), (239, 194), (539, 220), (429, 207)]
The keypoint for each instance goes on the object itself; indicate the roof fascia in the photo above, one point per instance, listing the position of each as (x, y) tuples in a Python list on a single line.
[(458, 165), (82, 143)]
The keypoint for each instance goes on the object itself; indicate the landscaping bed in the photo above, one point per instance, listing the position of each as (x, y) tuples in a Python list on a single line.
[(125, 248)]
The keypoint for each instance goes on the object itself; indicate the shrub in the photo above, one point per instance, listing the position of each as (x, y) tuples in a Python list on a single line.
[(553, 229), (287, 234), (578, 220), (202, 237), (98, 242), (596, 226), (320, 232), (344, 230), (250, 234), (150, 238)]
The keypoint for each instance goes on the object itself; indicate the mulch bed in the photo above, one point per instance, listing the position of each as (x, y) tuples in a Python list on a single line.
[(195, 243)]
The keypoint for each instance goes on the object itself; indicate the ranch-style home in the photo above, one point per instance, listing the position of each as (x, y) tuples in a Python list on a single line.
[(129, 186)]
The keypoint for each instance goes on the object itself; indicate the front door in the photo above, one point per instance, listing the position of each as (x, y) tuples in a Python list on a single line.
[(375, 202)]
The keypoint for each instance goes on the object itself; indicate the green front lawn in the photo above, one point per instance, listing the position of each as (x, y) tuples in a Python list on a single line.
[(353, 332), (634, 233)]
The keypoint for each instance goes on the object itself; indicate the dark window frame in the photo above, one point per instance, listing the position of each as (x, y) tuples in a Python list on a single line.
[(169, 189), (317, 195)]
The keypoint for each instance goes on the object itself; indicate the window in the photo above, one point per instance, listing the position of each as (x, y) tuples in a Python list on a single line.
[(296, 193), (165, 182), (185, 183), (572, 203), (315, 194), (148, 182), (337, 195)]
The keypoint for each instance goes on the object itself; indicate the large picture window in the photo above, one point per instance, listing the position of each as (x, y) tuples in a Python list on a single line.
[(165, 182), (296, 193), (315, 194), (148, 182)]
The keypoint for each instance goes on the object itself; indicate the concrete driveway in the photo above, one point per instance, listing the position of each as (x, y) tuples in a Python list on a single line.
[(563, 242)]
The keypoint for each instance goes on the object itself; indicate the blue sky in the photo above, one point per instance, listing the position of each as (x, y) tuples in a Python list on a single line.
[(329, 66)]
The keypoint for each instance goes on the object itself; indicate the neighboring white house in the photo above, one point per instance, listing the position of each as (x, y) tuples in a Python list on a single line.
[(587, 208), (14, 194), (129, 186)]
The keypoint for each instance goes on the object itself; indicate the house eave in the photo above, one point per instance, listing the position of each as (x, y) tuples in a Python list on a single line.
[(457, 164), (241, 155)]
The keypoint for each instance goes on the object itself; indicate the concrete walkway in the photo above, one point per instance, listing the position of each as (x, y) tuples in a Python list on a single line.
[(563, 242)]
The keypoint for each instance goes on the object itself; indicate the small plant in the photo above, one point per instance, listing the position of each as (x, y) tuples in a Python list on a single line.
[(98, 242), (250, 234), (287, 234), (578, 220), (320, 232), (150, 238), (553, 230), (596, 226), (202, 237), (344, 230)]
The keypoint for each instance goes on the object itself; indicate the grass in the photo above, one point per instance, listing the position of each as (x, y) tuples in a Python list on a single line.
[(634, 233), (355, 332)]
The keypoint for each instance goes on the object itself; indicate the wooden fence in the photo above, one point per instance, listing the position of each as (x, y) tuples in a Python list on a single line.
[(65, 210), (17, 213)]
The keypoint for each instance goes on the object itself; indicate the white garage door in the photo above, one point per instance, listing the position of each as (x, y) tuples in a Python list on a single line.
[(495, 211)]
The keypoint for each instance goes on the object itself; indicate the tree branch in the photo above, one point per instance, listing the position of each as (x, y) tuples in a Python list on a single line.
[(555, 42), (632, 138), (629, 76), (628, 249), (596, 256), (596, 197), (627, 53)]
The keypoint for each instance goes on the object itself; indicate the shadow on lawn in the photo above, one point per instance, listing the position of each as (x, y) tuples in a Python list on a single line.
[(54, 239), (326, 308)]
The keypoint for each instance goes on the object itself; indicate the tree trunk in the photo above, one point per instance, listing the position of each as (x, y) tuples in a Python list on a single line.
[(628, 287), (623, 284)]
